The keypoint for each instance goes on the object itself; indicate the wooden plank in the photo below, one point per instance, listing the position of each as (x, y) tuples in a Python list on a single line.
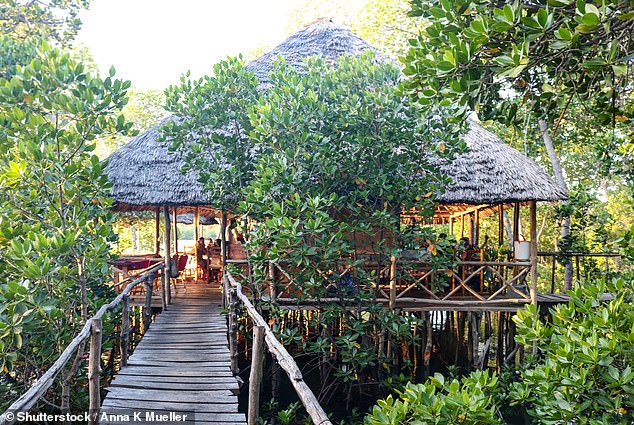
[(174, 386), (216, 397), (166, 371), (229, 381), (171, 406), (198, 363)]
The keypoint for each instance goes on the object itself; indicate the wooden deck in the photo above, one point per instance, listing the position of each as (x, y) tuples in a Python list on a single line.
[(181, 365)]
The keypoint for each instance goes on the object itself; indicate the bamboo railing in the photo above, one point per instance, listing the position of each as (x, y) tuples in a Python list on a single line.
[(283, 358), (92, 329)]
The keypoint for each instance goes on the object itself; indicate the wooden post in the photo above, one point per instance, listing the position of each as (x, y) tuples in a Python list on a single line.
[(94, 371), (476, 228), (147, 310), (500, 224), (255, 377), (552, 274), (533, 219), (124, 337), (196, 236), (462, 226), (428, 345), (168, 256), (164, 289), (223, 238), (272, 283), (516, 221), (233, 330), (451, 225), (175, 232), (157, 231), (392, 282)]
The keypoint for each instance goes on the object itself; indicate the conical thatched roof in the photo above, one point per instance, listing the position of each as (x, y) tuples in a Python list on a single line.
[(144, 173), (491, 172), (322, 38)]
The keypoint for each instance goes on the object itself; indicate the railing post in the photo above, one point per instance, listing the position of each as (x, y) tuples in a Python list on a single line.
[(94, 371), (164, 289), (255, 377), (272, 289), (147, 310), (233, 329), (124, 338), (392, 282)]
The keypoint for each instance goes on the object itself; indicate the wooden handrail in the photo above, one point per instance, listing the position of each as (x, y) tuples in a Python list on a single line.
[(284, 359), (577, 254), (29, 398)]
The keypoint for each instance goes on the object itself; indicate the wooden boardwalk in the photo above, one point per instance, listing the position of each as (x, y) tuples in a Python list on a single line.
[(181, 365)]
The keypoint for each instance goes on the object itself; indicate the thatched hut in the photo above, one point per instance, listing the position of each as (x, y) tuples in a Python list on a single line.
[(491, 175)]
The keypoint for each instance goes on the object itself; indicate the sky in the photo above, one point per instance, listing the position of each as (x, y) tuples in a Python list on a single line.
[(153, 42)]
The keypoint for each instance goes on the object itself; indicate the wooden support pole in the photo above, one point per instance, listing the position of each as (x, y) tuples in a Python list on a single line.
[(196, 236), (233, 330), (476, 228), (124, 337), (255, 377), (462, 226), (94, 371), (223, 256), (272, 282), (428, 346), (223, 238), (533, 256), (175, 232), (451, 225), (164, 289), (392, 282), (500, 225), (157, 231), (147, 310), (168, 256), (516, 221)]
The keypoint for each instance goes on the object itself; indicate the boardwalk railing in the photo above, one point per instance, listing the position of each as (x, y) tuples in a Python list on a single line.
[(580, 262), (284, 359), (92, 329)]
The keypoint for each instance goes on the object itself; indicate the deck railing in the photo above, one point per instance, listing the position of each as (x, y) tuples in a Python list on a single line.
[(262, 331), (92, 329), (579, 265), (400, 280)]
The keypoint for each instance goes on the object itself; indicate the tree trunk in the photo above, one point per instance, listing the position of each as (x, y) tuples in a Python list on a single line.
[(559, 179)]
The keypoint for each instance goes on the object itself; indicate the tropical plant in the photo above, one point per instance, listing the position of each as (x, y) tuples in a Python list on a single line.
[(55, 219), (531, 62)]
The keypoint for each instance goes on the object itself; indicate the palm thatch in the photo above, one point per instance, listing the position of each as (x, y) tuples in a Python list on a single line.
[(145, 174), (491, 172), (322, 38)]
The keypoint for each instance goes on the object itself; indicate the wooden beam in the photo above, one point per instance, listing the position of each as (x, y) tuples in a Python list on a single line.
[(500, 225), (516, 221), (476, 227), (167, 243), (533, 257), (157, 231), (94, 372), (125, 330), (255, 377), (196, 226), (392, 282), (175, 232)]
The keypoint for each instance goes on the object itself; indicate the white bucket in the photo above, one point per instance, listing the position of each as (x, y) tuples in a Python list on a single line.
[(522, 250)]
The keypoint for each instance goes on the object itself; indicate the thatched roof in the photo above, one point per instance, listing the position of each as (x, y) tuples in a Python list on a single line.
[(145, 174), (322, 38), (491, 172)]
